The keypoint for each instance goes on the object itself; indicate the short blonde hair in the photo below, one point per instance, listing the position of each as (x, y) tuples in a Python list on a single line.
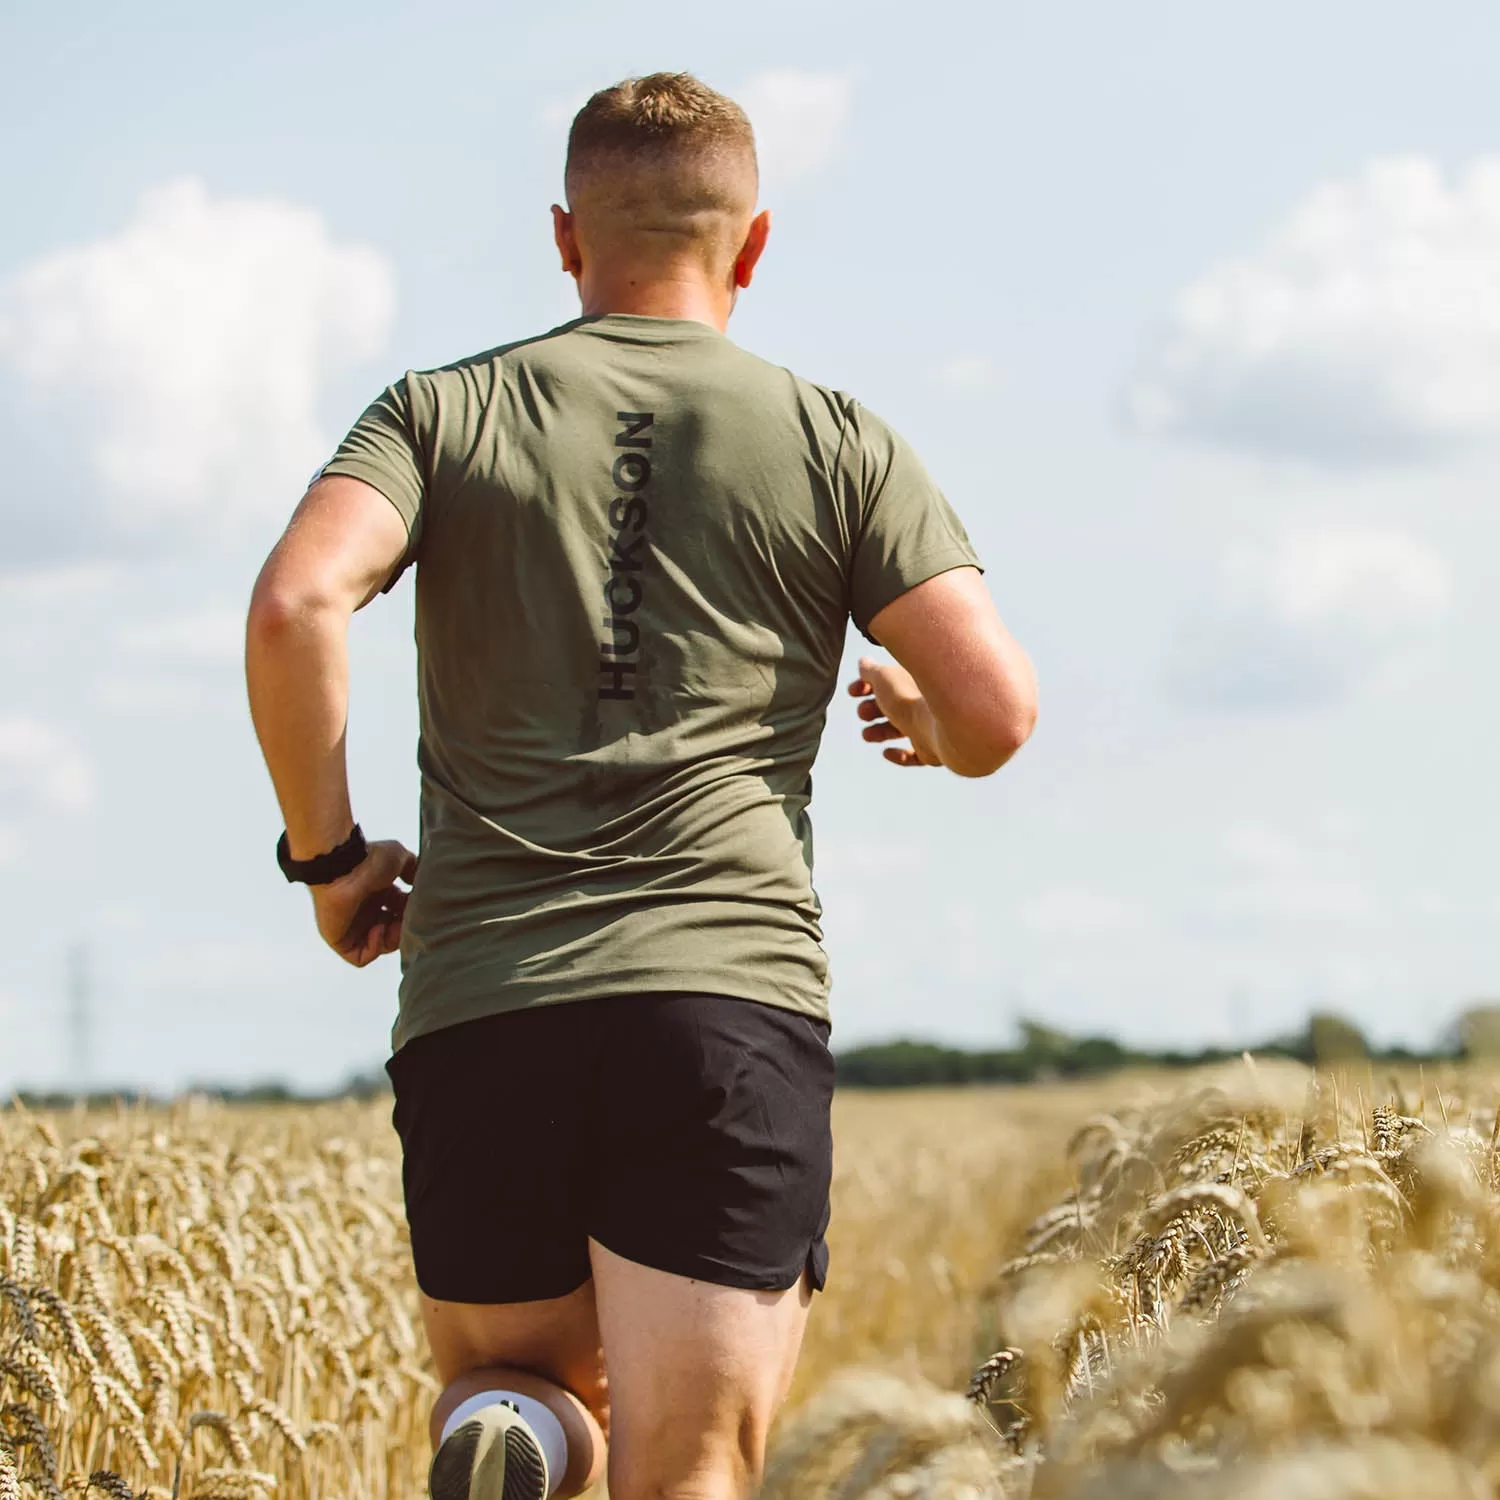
[(665, 120)]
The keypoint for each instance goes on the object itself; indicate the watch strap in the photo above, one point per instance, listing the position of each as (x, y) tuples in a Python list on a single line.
[(321, 869)]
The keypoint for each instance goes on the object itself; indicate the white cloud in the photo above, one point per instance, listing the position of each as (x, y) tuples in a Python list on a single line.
[(1310, 619), (185, 356), (1367, 327), (800, 120), (40, 764)]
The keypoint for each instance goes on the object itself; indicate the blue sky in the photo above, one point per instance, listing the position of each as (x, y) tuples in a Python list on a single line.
[(1196, 316)]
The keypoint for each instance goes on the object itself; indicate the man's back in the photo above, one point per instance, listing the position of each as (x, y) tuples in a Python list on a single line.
[(638, 548)]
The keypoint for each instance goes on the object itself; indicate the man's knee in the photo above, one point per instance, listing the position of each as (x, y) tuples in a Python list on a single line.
[(677, 1453), (664, 1473)]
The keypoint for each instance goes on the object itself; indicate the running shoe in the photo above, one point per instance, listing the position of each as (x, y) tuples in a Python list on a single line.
[(492, 1456)]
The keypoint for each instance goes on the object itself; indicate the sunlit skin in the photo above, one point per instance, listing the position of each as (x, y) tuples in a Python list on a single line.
[(696, 1372), (671, 287)]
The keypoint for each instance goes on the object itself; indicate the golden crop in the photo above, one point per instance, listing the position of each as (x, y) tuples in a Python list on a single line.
[(1241, 1295), (1242, 1290), (228, 1288), (216, 1302)]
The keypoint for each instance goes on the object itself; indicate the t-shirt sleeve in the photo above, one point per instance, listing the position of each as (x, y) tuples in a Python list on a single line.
[(385, 450), (907, 531)]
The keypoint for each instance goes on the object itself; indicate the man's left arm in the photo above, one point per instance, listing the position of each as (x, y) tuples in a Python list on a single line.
[(340, 548)]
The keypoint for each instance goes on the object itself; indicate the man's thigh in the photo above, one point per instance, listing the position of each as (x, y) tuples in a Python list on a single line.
[(696, 1374)]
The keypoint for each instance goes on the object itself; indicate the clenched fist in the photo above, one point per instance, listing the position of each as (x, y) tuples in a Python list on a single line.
[(359, 914)]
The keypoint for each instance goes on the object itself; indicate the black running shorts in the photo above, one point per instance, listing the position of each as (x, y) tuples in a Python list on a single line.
[(689, 1133)]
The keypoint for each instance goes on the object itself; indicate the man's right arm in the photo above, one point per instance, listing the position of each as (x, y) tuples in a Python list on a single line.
[(964, 694)]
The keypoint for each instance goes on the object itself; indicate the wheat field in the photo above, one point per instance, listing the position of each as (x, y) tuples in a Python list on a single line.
[(1227, 1287), (1263, 1287)]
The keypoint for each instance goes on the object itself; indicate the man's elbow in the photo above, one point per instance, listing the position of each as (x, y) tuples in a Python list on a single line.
[(1018, 726), (275, 614), (284, 606), (995, 739)]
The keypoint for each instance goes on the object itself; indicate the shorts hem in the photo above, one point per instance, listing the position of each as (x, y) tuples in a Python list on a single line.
[(531, 1293), (720, 1273)]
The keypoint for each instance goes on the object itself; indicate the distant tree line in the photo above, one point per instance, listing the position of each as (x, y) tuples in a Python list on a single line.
[(1044, 1052), (370, 1085)]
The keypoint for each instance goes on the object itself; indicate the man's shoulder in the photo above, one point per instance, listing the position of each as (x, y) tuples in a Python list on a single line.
[(488, 360), (838, 406), (566, 344)]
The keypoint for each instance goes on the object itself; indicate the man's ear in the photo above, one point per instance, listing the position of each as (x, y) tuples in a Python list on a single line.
[(567, 240), (751, 251)]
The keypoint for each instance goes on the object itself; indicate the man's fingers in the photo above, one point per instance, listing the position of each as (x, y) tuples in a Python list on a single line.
[(878, 733), (860, 688), (375, 910), (869, 709), (358, 930), (383, 937), (356, 949), (394, 861), (904, 758), (369, 947)]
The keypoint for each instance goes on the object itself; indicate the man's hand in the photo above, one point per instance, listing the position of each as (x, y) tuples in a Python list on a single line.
[(894, 709), (359, 914), (342, 545)]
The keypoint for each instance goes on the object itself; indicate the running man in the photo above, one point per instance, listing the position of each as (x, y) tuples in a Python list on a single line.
[(638, 548)]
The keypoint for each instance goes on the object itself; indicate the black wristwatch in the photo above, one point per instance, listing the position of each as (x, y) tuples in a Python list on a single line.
[(323, 868)]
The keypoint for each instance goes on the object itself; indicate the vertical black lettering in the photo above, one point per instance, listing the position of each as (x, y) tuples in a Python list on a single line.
[(636, 422), (624, 586), (633, 593), (612, 675), (632, 472), (627, 514), (627, 637)]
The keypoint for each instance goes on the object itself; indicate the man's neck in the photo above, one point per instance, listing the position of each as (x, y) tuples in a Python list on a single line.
[(688, 297)]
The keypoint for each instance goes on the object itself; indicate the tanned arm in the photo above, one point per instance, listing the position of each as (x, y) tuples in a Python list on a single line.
[(337, 552), (964, 694)]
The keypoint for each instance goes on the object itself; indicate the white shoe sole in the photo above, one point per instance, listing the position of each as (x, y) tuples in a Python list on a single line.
[(492, 1456)]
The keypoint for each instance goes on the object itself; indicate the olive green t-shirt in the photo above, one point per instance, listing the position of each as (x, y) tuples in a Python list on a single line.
[(637, 550)]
